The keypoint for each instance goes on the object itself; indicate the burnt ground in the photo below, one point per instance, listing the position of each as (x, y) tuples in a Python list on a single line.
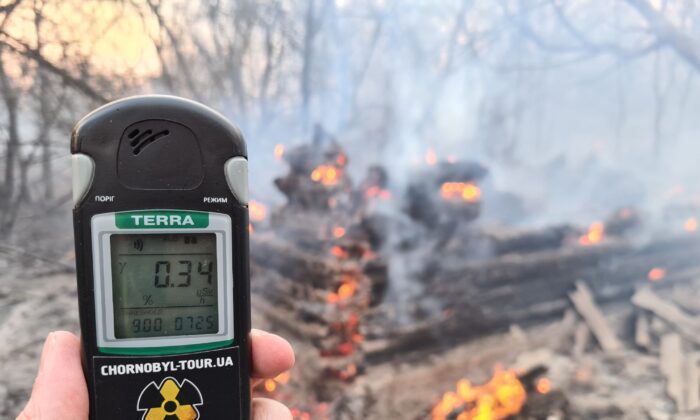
[(30, 307)]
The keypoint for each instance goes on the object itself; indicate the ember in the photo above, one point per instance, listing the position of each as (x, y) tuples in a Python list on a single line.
[(271, 385), (501, 397), (377, 192), (544, 386), (430, 157), (279, 151), (340, 252), (257, 211), (595, 234), (691, 225), (656, 274), (326, 174), (338, 232), (467, 191), (345, 291)]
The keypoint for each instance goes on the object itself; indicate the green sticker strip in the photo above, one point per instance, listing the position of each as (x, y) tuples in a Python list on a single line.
[(161, 219), (157, 351)]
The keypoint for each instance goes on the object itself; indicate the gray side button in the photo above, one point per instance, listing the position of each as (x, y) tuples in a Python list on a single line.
[(237, 177), (83, 172)]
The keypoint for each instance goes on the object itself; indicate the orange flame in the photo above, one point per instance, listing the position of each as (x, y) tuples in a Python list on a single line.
[(501, 397), (378, 192), (282, 378), (345, 291), (691, 225), (349, 372), (595, 234), (544, 386), (326, 174), (299, 414), (271, 385), (656, 274), (338, 232), (340, 252), (467, 191), (430, 157), (279, 151), (257, 211)]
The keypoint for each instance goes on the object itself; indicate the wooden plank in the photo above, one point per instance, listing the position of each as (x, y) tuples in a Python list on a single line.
[(672, 366), (692, 377), (583, 301), (582, 336), (685, 324), (642, 330)]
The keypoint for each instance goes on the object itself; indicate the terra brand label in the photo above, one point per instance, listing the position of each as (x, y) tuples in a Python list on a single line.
[(162, 219)]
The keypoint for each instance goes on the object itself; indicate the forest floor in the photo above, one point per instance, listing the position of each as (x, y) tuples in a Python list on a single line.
[(31, 306), (35, 301)]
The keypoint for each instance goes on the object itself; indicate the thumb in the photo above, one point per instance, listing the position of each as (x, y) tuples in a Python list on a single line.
[(59, 391)]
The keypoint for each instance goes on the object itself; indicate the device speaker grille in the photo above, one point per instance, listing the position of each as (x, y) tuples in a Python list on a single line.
[(141, 139), (142, 147)]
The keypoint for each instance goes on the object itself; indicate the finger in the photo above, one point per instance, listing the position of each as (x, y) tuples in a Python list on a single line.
[(59, 391), (271, 356), (266, 409)]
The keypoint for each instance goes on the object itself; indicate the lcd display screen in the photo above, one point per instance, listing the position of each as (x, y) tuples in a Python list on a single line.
[(164, 285)]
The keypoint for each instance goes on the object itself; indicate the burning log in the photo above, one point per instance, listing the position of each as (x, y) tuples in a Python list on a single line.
[(322, 281), (622, 222), (316, 179), (489, 296), (502, 396), (520, 242), (320, 272), (444, 193), (291, 261)]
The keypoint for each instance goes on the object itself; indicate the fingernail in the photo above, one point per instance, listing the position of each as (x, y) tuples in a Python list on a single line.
[(259, 333), (48, 345)]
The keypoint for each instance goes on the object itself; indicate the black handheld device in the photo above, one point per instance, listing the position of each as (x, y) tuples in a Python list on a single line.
[(160, 194)]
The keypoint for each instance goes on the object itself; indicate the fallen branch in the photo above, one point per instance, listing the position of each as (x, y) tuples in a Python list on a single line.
[(686, 325), (582, 299)]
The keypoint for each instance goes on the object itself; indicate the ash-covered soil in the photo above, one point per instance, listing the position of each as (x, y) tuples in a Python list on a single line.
[(33, 302)]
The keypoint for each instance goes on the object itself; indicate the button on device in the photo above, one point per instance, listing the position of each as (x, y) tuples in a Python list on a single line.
[(237, 178), (83, 172)]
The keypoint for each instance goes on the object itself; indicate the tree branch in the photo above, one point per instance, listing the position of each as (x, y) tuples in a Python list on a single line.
[(25, 50), (668, 34)]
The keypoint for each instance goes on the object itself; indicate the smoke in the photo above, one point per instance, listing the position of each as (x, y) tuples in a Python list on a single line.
[(575, 134)]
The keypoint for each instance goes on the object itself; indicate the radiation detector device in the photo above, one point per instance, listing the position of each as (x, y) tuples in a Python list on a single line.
[(160, 195)]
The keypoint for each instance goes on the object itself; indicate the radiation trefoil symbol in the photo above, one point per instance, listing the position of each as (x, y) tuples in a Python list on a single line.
[(170, 400)]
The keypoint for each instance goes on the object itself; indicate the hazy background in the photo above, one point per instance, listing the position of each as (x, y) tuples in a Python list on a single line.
[(604, 91), (577, 107)]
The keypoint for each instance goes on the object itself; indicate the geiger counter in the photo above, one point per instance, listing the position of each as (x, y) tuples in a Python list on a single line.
[(160, 194)]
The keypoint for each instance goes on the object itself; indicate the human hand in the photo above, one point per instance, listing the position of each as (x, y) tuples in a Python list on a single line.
[(60, 391)]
